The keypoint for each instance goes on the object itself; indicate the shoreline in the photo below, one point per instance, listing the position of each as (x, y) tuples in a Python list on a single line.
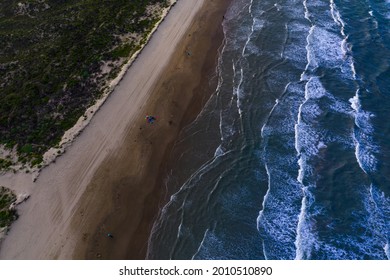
[(188, 84), (107, 179)]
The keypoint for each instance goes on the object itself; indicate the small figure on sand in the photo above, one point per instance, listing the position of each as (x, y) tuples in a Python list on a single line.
[(110, 235), (150, 119)]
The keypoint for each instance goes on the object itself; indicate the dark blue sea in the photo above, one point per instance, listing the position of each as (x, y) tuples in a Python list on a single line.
[(292, 152)]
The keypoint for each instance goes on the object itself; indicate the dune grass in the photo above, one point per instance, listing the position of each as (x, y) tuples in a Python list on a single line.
[(7, 215)]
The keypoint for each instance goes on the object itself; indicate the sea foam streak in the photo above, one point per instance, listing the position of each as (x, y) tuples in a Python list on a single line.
[(278, 218), (303, 234), (365, 149), (329, 50)]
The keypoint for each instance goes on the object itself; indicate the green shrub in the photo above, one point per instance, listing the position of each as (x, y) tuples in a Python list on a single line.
[(7, 215)]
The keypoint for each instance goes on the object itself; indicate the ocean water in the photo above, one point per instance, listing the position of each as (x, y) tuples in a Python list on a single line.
[(301, 168)]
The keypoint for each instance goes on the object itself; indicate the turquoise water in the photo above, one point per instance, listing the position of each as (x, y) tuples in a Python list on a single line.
[(299, 119)]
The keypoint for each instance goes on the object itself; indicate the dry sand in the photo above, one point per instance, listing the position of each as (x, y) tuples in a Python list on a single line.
[(110, 179)]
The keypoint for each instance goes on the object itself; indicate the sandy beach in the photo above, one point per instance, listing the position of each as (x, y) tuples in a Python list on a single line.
[(110, 180)]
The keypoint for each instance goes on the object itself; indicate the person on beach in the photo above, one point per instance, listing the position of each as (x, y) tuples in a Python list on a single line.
[(150, 119)]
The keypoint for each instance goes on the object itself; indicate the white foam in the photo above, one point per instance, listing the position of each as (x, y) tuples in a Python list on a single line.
[(239, 92), (308, 53), (219, 151), (219, 66), (345, 48), (378, 208), (307, 14), (365, 158), (266, 129), (352, 64), (386, 248), (252, 29), (336, 17), (278, 218), (321, 145), (314, 89), (308, 140), (250, 7), (201, 244), (355, 103), (324, 48), (306, 239), (327, 48), (294, 47), (301, 171), (265, 198), (220, 126), (296, 128), (278, 7), (365, 148), (226, 130)]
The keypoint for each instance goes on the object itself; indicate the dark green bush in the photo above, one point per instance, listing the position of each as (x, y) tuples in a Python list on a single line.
[(7, 216)]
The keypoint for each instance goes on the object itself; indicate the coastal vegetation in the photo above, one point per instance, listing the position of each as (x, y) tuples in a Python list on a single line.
[(56, 58), (7, 213)]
